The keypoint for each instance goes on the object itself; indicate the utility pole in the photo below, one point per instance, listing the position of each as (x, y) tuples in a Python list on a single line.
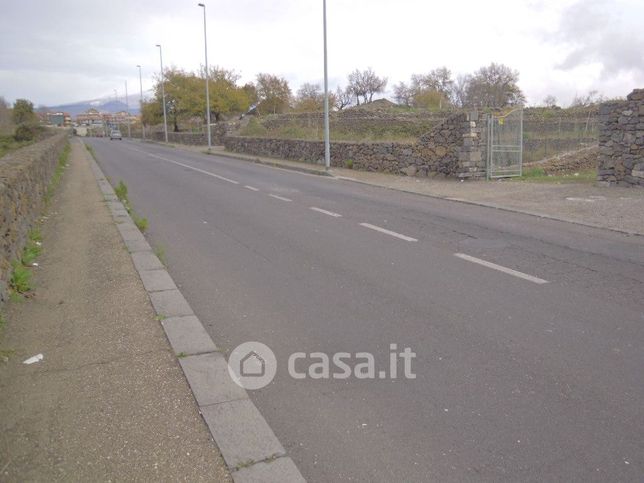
[(165, 115), (327, 143), (127, 112), (141, 103), (205, 42)]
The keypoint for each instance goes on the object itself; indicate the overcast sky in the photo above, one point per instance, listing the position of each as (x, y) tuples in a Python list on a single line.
[(61, 51)]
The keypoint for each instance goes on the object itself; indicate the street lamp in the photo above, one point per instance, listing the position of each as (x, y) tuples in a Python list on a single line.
[(327, 143), (127, 112), (205, 42), (165, 115), (141, 103)]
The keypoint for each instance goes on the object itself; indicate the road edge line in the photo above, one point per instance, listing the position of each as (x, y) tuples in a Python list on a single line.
[(244, 438)]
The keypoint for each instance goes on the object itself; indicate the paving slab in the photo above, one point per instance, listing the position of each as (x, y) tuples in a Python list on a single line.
[(187, 335), (146, 261), (157, 280), (241, 432), (210, 380), (169, 303)]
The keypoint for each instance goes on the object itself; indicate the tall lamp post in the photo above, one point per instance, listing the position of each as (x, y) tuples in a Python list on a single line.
[(165, 115), (205, 42), (127, 112), (141, 102), (327, 143)]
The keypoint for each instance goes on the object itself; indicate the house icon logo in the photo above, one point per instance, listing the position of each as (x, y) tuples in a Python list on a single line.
[(252, 365)]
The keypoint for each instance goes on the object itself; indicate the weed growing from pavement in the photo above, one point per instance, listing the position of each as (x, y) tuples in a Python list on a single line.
[(121, 193), (159, 251), (20, 281), (181, 355), (161, 317)]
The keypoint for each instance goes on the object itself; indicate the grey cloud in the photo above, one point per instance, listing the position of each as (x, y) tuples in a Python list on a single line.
[(605, 32)]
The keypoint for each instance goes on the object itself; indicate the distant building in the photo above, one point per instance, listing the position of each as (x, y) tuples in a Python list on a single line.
[(60, 119)]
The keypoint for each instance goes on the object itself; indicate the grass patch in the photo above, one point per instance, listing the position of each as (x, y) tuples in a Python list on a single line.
[(538, 175), (141, 223), (20, 281), (159, 251), (63, 159), (30, 253), (121, 193)]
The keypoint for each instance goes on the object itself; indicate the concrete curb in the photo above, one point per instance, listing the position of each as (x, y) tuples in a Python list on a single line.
[(250, 448)]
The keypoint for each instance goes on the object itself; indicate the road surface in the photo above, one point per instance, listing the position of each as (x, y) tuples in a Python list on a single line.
[(529, 333)]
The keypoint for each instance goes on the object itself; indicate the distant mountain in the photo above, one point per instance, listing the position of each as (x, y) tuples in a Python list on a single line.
[(102, 105)]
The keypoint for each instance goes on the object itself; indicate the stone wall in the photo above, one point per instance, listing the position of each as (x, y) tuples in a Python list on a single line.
[(453, 148), (217, 132), (24, 178), (621, 141)]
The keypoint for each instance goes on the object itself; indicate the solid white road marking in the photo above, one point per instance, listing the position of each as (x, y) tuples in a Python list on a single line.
[(279, 197), (250, 188), (500, 268), (388, 232), (330, 213), (203, 171)]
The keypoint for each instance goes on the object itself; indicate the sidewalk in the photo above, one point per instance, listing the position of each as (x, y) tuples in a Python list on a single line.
[(613, 208), (109, 400)]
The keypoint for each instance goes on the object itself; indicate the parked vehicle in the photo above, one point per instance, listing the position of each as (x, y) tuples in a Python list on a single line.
[(116, 134)]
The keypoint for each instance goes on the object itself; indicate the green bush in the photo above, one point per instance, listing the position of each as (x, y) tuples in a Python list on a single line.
[(25, 132)]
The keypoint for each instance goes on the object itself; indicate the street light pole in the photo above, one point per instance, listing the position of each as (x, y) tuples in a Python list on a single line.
[(205, 42), (141, 103), (127, 112), (327, 143), (165, 115)]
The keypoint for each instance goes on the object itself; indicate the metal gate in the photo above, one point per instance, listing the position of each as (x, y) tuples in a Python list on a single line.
[(505, 144)]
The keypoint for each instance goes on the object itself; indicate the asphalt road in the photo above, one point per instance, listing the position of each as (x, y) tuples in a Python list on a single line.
[(530, 369)]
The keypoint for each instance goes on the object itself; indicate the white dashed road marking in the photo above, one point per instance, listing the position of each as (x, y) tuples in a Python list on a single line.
[(330, 213), (279, 197), (501, 268), (203, 171), (388, 232), (250, 188)]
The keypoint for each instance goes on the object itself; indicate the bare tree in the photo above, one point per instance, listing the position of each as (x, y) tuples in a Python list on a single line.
[(309, 98), (439, 80), (342, 98), (365, 84), (549, 101), (495, 86), (403, 94), (459, 90), (592, 98)]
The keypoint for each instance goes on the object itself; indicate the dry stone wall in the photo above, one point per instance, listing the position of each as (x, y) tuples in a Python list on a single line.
[(24, 178), (621, 141), (217, 132), (453, 148)]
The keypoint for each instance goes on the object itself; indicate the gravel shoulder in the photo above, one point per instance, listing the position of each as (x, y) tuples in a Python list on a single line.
[(109, 400)]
